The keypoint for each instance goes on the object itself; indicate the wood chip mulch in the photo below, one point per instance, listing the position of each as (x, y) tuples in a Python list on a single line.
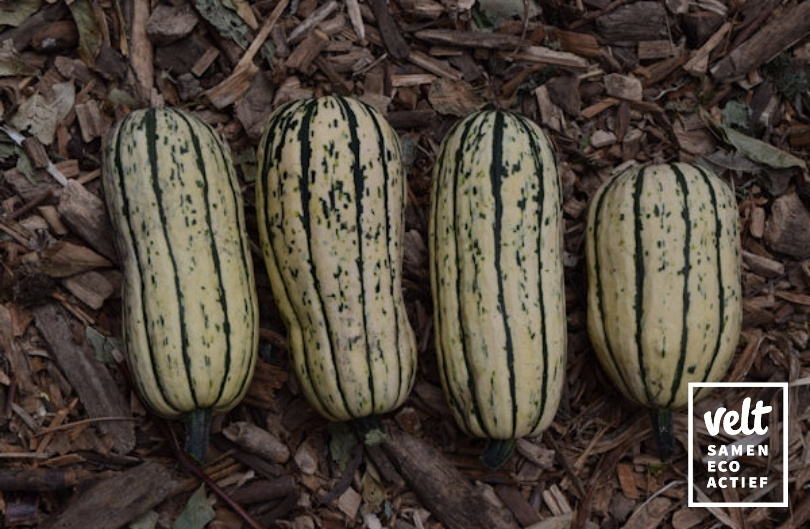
[(719, 82)]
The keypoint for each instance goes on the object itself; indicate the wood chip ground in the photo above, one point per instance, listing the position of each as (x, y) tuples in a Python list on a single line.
[(616, 83)]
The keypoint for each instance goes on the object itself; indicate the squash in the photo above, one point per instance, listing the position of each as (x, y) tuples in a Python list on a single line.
[(330, 200), (190, 309), (495, 253), (664, 293)]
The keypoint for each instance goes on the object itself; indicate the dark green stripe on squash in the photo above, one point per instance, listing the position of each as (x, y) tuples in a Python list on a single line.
[(496, 273), (176, 208), (664, 293), (331, 203)]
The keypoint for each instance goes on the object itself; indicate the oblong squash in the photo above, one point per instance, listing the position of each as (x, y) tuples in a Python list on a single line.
[(495, 247), (190, 307), (664, 294), (330, 206)]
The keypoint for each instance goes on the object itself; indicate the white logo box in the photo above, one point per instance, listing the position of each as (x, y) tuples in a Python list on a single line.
[(693, 386)]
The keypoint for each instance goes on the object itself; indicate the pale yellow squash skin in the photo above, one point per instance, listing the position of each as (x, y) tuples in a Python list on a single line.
[(664, 292), (495, 246), (330, 206), (190, 306)]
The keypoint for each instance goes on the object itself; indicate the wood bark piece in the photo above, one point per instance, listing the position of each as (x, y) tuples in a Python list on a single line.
[(356, 18), (688, 517), (470, 39), (37, 479), (775, 37), (92, 288), (141, 51), (624, 87), (207, 59), (236, 84), (36, 152), (257, 441), (564, 92), (763, 266), (551, 115), (649, 514), (657, 49), (169, 24), (451, 498), (86, 216), (389, 31), (115, 501), (787, 231), (383, 464), (56, 37), (317, 16), (302, 56), (699, 26), (699, 62), (90, 121), (511, 497), (543, 55), (634, 22), (431, 64), (429, 9), (64, 259), (30, 188), (578, 43), (91, 380), (407, 119), (264, 490)]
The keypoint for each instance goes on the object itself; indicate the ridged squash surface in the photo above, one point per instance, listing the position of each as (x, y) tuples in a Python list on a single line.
[(330, 206), (495, 247), (190, 309), (664, 293)]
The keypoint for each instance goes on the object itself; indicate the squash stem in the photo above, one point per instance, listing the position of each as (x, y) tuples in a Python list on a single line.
[(662, 426), (198, 428), (497, 452)]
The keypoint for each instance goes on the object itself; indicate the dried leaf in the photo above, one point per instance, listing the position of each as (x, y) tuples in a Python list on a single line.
[(497, 11), (374, 436), (755, 149), (562, 521), (649, 514), (245, 12), (341, 444), (15, 13), (37, 117), (736, 114), (64, 97), (197, 512), (10, 62), (733, 161), (227, 22), (373, 491), (102, 345), (455, 98), (147, 520), (40, 116), (90, 37), (24, 166), (8, 150), (372, 521)]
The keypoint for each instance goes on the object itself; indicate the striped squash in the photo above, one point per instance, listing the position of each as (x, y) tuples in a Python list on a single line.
[(495, 247), (190, 308), (330, 205), (664, 294)]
